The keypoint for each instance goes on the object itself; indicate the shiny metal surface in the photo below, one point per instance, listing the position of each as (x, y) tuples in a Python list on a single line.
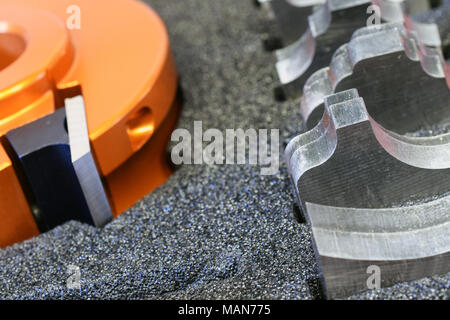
[(409, 12), (328, 27), (58, 170), (421, 78), (84, 164), (372, 197)]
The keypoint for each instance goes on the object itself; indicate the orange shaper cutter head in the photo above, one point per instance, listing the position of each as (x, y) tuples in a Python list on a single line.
[(117, 53)]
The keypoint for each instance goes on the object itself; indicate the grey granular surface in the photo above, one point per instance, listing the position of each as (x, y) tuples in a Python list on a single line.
[(210, 231)]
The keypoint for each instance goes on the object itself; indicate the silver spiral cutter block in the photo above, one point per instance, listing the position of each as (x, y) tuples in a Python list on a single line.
[(372, 174)]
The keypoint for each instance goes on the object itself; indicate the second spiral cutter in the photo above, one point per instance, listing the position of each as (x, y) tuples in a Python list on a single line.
[(329, 26), (386, 63), (372, 173), (292, 17), (331, 23)]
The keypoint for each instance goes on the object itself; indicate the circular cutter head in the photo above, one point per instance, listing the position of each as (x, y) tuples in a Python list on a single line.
[(116, 55)]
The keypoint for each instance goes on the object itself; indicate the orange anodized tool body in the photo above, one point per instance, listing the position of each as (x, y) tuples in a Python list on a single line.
[(117, 53)]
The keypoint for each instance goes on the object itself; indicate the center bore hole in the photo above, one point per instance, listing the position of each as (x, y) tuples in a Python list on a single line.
[(11, 47)]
